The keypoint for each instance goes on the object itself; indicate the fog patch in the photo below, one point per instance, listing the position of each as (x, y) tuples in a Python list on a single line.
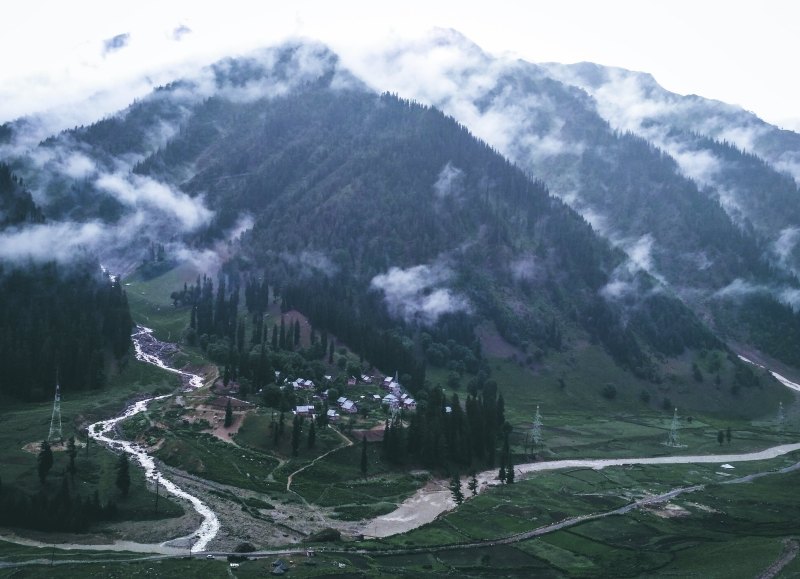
[(63, 242), (786, 243), (450, 183), (180, 32), (526, 268), (418, 294), (310, 262), (739, 289), (116, 43), (625, 279), (143, 192)]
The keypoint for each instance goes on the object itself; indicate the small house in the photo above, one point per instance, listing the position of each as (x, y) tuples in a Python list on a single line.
[(350, 407), (306, 411), (390, 400), (332, 415)]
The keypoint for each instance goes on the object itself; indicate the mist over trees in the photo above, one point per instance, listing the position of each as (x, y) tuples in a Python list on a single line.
[(65, 323)]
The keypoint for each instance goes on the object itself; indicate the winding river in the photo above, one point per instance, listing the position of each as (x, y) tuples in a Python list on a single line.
[(103, 432)]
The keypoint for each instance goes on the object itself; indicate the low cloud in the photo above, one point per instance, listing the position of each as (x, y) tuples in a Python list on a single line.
[(625, 280), (116, 43), (143, 192), (52, 242), (527, 268), (310, 263), (418, 294), (450, 183), (179, 32), (740, 289), (786, 243)]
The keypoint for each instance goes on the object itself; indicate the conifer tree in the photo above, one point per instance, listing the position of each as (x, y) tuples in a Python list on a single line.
[(473, 484), (228, 414), (44, 461), (72, 453), (312, 435), (364, 457), (455, 489), (123, 481), (297, 429)]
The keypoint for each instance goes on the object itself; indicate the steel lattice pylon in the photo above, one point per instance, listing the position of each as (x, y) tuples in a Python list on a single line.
[(673, 431), (55, 434)]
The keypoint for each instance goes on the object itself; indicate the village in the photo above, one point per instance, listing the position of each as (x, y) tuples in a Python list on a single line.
[(363, 398)]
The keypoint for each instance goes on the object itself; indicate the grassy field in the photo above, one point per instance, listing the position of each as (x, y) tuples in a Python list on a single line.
[(151, 305), (336, 481)]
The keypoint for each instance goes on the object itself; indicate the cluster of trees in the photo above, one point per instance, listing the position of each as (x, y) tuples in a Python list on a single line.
[(67, 323), (64, 508), (442, 432), (16, 204)]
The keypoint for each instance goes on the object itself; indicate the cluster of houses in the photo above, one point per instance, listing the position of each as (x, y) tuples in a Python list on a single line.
[(395, 398)]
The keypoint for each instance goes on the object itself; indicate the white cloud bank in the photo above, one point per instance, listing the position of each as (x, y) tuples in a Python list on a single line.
[(417, 294)]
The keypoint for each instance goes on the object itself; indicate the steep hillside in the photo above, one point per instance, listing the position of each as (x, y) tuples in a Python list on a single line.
[(385, 220), (638, 191), (64, 322)]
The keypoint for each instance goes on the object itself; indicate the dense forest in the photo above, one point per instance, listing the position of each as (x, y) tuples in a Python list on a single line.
[(346, 185), (352, 194), (58, 322)]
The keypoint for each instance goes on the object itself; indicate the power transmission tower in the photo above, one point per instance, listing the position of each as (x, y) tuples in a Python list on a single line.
[(536, 430), (55, 434), (672, 440)]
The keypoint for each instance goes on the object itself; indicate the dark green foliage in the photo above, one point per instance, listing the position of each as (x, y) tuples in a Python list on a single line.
[(60, 511), (228, 414), (771, 325), (728, 434), (68, 323), (44, 461), (16, 204), (59, 323), (364, 457), (352, 171), (72, 453), (609, 392), (297, 429), (455, 489), (123, 478), (473, 484), (720, 437), (312, 435)]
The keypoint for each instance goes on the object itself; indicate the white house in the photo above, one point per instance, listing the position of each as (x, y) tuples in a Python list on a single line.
[(350, 407), (391, 400), (307, 411), (333, 416)]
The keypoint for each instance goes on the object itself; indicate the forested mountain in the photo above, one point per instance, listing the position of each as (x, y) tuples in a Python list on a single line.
[(66, 322), (700, 215), (383, 219)]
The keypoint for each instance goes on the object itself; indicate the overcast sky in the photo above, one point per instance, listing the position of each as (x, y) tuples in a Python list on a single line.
[(742, 52)]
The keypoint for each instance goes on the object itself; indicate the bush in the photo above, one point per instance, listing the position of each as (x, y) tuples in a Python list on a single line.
[(609, 391)]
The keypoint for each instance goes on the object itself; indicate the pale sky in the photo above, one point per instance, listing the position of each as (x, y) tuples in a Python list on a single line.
[(741, 52)]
